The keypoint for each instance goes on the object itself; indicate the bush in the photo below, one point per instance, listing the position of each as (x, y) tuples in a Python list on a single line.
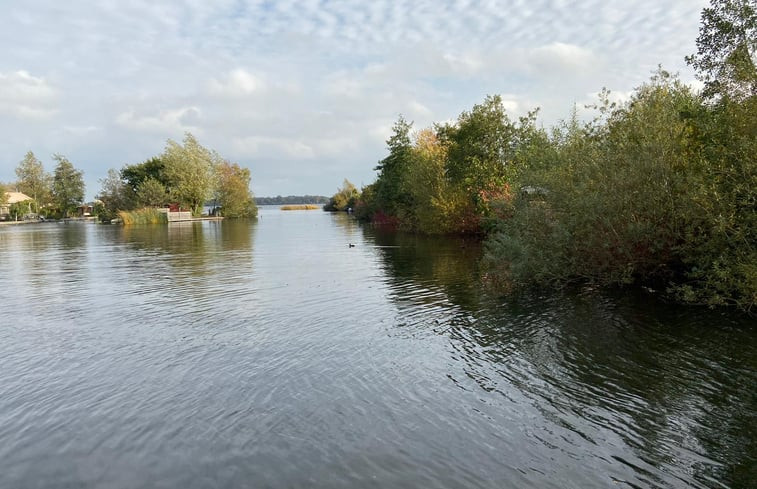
[(662, 193)]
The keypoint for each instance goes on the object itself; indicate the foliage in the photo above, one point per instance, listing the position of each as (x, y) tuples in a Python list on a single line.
[(661, 190), (233, 190), (661, 193), (67, 187), (115, 195), (153, 168), (292, 199), (426, 184), (19, 210), (480, 145), (143, 217), (721, 238), (189, 171), (726, 59), (344, 199), (33, 180), (365, 205), (187, 174), (151, 193), (452, 178), (391, 190), (440, 207)]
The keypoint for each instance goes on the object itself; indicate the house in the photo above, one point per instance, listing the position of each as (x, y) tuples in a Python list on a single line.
[(86, 210), (10, 199)]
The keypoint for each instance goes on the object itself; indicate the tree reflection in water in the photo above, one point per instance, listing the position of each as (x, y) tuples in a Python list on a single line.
[(624, 371)]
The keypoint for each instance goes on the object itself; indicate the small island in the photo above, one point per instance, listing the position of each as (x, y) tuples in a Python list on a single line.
[(176, 185)]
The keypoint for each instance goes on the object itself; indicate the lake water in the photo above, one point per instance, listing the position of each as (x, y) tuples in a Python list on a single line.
[(272, 354)]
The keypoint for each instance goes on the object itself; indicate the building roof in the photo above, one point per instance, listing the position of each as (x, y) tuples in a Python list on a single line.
[(15, 197)]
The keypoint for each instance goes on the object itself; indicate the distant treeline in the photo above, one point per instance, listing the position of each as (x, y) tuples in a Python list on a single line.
[(660, 190), (292, 199)]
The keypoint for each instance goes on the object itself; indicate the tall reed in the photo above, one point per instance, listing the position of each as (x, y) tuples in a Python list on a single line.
[(300, 207), (142, 217)]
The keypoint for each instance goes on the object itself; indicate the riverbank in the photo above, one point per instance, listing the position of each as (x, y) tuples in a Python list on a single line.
[(49, 221), (15, 223)]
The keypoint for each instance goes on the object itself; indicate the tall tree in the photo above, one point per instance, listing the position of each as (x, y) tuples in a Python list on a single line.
[(33, 180), (115, 194), (233, 190), (393, 169), (189, 171), (68, 186), (726, 58), (481, 145)]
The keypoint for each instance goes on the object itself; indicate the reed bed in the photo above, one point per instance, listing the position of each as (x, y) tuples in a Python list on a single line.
[(142, 216), (300, 207)]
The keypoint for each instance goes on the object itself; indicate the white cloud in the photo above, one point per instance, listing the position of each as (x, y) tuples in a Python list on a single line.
[(417, 109), (381, 132), (81, 130), (276, 147), (344, 84), (308, 84), (463, 64), (511, 106), (26, 97), (561, 57), (170, 122), (236, 83)]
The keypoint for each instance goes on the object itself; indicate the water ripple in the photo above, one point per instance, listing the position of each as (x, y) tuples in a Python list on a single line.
[(272, 354)]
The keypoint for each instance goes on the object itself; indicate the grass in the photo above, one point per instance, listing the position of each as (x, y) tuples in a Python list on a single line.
[(143, 216), (300, 207)]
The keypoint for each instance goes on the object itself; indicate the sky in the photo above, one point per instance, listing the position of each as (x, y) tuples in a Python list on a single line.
[(304, 93)]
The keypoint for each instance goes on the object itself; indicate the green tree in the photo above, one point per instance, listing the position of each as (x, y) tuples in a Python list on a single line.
[(115, 195), (189, 172), (345, 198), (151, 193), (33, 180), (481, 145), (720, 252), (153, 168), (439, 207), (233, 190), (661, 192), (391, 195), (68, 186), (726, 58)]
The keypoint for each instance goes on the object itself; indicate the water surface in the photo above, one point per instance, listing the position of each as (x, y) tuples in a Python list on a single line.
[(272, 354)]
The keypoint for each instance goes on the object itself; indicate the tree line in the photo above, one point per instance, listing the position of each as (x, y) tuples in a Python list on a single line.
[(292, 199), (57, 194), (660, 190), (185, 174)]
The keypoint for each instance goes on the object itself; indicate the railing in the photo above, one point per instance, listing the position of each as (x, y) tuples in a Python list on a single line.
[(176, 216)]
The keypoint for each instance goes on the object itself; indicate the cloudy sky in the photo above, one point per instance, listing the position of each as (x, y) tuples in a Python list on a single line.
[(304, 93)]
